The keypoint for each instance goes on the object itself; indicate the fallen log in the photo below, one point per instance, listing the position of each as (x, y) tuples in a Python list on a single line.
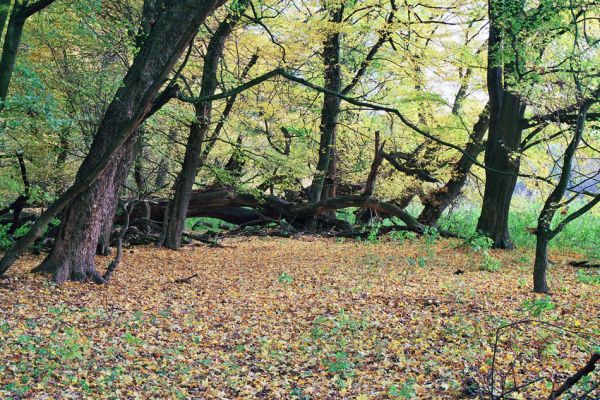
[(243, 208)]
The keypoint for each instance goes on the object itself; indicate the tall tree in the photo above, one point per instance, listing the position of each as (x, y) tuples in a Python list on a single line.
[(331, 104), (175, 221), (326, 175), (502, 153), (544, 231), (87, 203), (21, 11)]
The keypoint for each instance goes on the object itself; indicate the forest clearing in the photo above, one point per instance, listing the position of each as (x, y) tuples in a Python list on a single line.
[(300, 199), (295, 318)]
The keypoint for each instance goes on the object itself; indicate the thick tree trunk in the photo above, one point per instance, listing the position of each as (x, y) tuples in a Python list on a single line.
[(87, 220), (501, 154), (503, 146), (120, 177), (73, 254), (540, 284), (184, 184), (331, 106), (440, 199)]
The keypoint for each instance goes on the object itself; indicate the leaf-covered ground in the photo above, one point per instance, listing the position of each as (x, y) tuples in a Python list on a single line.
[(283, 318)]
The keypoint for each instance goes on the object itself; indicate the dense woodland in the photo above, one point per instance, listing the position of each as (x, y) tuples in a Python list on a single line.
[(166, 123)]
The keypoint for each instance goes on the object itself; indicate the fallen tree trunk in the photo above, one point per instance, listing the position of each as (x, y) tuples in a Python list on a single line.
[(241, 208)]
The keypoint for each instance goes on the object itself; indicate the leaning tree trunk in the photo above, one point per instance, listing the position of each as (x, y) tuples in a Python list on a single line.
[(439, 200), (85, 221), (73, 254), (331, 106), (544, 230), (175, 222)]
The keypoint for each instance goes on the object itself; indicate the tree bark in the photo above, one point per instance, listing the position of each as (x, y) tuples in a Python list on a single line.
[(331, 105), (12, 39), (175, 222), (540, 284), (544, 231), (440, 199), (502, 151), (72, 257)]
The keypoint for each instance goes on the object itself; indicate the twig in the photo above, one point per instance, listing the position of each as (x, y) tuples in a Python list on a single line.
[(573, 379), (186, 280)]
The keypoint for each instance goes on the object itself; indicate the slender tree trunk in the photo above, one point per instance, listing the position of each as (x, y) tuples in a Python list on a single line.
[(12, 40), (4, 10), (175, 223), (331, 106), (163, 168), (540, 267), (440, 199), (138, 170), (73, 254), (544, 231)]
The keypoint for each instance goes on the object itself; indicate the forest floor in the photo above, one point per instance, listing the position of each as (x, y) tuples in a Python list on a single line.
[(296, 318)]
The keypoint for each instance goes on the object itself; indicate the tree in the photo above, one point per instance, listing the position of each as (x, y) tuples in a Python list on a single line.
[(175, 221), (507, 109), (21, 11), (87, 203), (544, 231), (326, 175)]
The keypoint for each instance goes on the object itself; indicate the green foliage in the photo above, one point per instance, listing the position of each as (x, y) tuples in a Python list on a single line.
[(588, 277), (479, 242), (406, 391), (538, 306), (285, 278), (582, 235), (489, 263)]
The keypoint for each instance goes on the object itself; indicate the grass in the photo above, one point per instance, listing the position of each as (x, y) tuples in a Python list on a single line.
[(582, 235)]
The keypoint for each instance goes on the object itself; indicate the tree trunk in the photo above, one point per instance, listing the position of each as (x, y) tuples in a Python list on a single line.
[(544, 230), (162, 171), (73, 254), (540, 285), (4, 9), (331, 105), (12, 40), (503, 146), (87, 224), (501, 154), (438, 200), (175, 222), (120, 177)]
